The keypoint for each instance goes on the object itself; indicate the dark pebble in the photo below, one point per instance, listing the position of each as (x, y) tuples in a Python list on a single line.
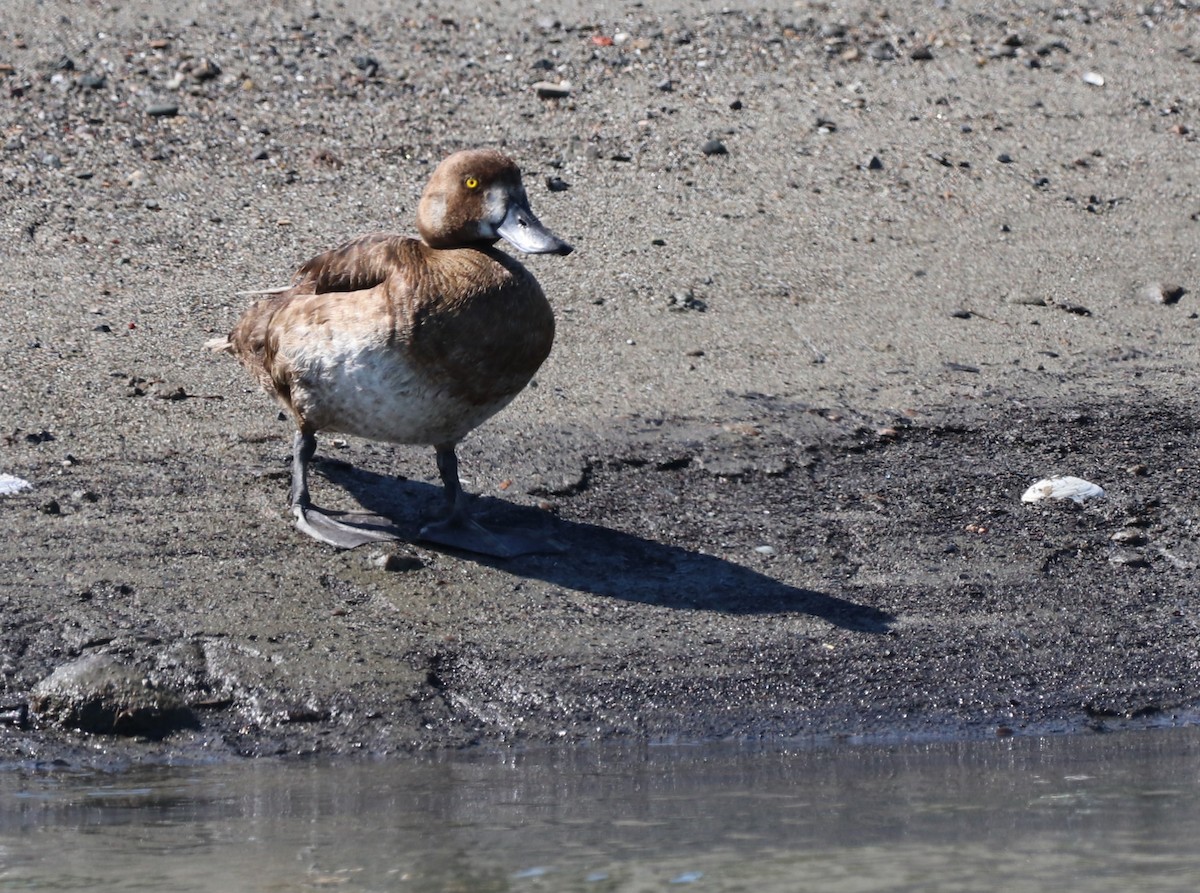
[(368, 65), (714, 147), (1162, 293), (93, 81), (557, 184), (882, 51), (1004, 158), (875, 164), (921, 54), (736, 105), (163, 110)]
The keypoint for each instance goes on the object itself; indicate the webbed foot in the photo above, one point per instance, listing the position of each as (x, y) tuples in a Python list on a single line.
[(345, 530)]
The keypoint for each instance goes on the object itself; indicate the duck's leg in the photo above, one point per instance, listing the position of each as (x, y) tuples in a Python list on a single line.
[(460, 531), (315, 522)]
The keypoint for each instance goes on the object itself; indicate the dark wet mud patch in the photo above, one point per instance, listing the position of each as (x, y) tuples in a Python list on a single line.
[(781, 572)]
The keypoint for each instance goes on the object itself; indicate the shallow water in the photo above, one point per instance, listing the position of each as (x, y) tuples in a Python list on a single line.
[(1105, 812)]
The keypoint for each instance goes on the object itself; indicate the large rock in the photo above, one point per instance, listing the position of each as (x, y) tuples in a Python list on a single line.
[(100, 695)]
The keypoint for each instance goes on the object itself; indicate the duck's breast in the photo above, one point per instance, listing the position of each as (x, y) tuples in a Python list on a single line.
[(422, 358)]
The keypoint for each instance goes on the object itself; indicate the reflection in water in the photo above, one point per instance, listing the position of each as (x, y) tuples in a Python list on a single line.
[(1099, 813)]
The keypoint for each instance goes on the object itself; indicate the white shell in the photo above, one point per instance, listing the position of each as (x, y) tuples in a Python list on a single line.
[(10, 485), (1076, 489)]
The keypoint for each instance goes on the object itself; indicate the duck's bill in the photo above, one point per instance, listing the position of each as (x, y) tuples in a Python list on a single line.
[(521, 229)]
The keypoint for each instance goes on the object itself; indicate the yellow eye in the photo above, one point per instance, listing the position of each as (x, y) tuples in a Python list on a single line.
[(472, 183)]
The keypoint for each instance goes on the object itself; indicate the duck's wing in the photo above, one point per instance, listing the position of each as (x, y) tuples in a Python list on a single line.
[(359, 264)]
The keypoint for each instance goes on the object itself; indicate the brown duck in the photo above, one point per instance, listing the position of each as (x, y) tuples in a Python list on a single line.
[(410, 341)]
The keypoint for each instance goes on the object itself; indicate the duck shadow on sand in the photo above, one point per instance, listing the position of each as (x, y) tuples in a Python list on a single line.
[(600, 560)]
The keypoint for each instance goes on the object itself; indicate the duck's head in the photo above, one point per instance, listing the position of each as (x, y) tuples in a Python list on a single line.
[(476, 196)]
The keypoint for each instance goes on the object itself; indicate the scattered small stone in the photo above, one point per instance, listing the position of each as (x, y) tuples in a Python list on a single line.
[(552, 90), (1129, 536), (666, 85), (714, 147), (368, 65), (765, 550), (875, 163), (961, 367), (1139, 469), (11, 484), (961, 314), (206, 70), (1094, 79), (1162, 293), (396, 563), (685, 300), (824, 125), (151, 204), (93, 81), (557, 184), (921, 53), (882, 51), (1004, 158), (736, 105), (51, 507), (1075, 489), (163, 110)]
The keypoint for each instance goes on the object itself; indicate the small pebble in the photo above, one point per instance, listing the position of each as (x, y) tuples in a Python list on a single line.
[(396, 563), (557, 184), (765, 550), (1091, 77), (1129, 536), (163, 110), (714, 147), (1162, 293), (882, 51), (10, 484), (875, 163), (1075, 489), (552, 90)]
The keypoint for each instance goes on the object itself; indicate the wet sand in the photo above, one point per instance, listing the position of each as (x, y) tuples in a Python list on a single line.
[(798, 389)]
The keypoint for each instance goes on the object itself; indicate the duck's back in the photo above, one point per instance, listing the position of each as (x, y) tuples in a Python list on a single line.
[(387, 338)]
